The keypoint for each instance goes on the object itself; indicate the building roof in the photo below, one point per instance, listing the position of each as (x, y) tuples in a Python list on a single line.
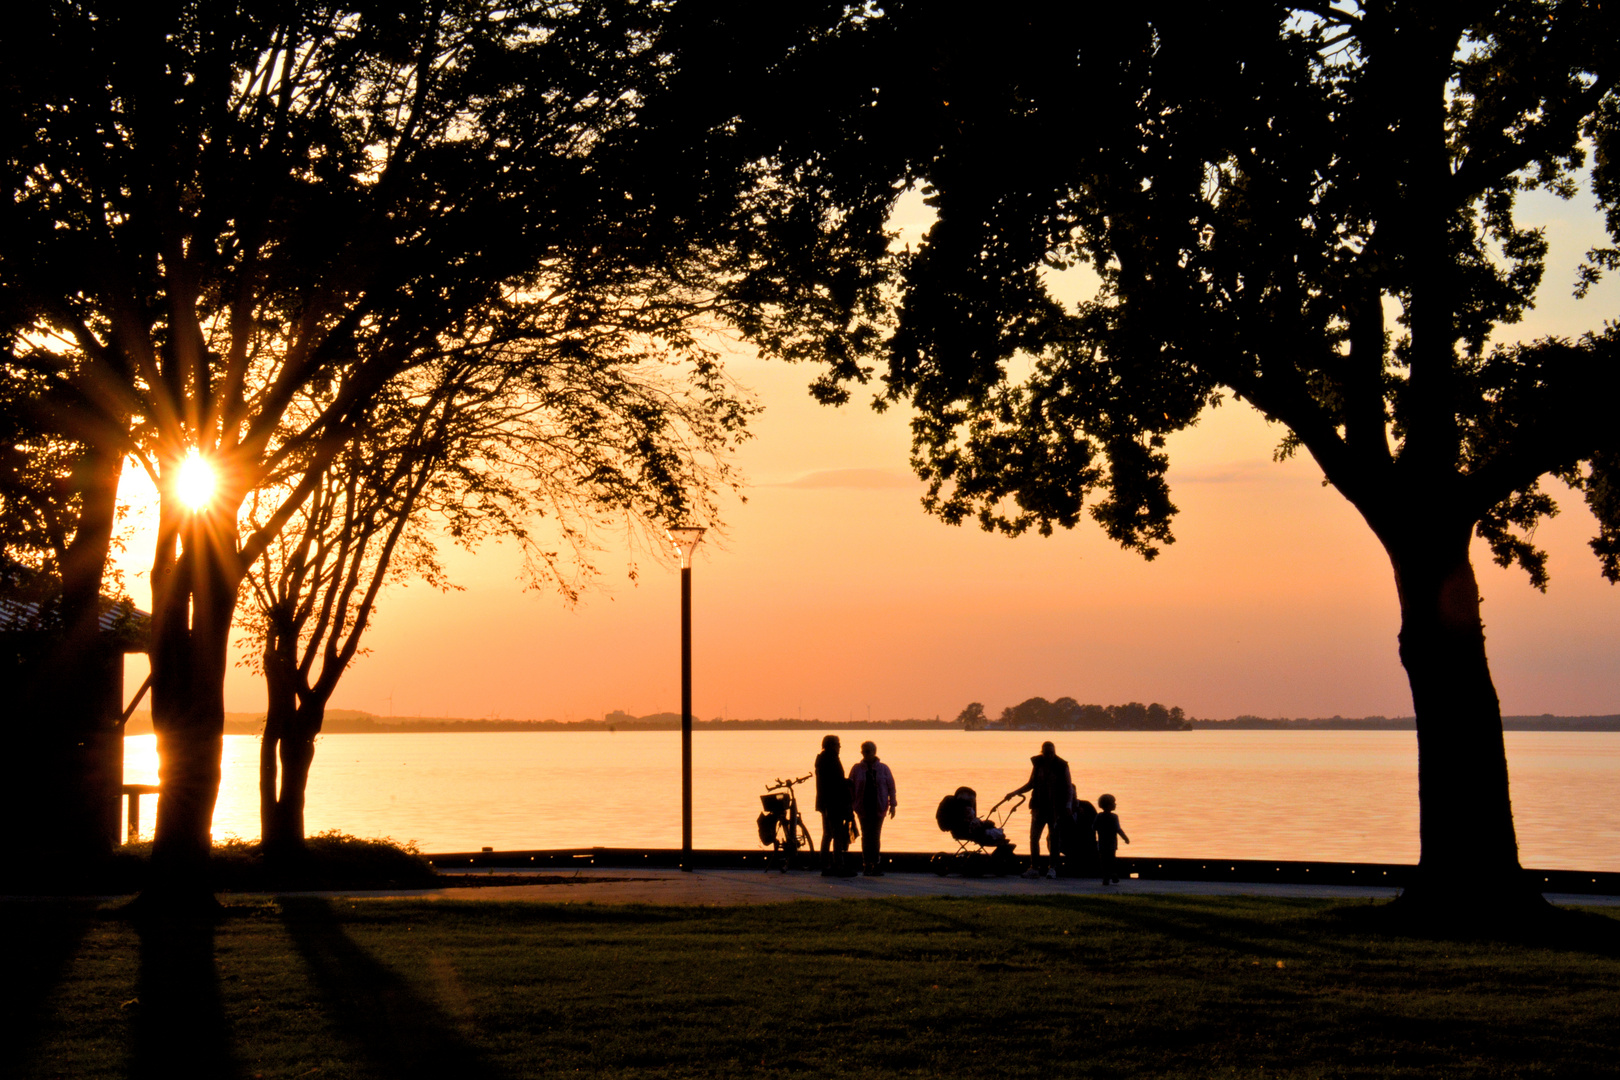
[(120, 620)]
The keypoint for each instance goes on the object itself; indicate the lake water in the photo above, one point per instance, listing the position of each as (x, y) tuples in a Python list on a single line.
[(1336, 795)]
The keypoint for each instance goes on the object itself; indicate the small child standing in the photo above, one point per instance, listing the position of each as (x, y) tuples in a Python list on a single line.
[(1109, 834)]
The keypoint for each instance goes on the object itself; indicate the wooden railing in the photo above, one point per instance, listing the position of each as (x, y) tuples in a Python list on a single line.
[(134, 793)]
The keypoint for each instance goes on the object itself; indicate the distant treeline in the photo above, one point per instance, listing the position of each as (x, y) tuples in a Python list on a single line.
[(1544, 722), (350, 722), (621, 721), (1330, 723), (1036, 714), (1067, 714)]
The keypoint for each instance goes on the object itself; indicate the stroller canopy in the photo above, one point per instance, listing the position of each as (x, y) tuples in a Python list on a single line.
[(958, 813)]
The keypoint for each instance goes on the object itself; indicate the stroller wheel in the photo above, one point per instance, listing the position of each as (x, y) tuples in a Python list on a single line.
[(940, 863)]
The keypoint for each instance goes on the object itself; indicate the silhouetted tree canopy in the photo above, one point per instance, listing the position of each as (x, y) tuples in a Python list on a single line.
[(1309, 208), (461, 451), (38, 503), (972, 718), (1067, 714), (220, 210)]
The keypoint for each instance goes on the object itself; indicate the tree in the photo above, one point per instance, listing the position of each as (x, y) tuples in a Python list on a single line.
[(1306, 207), (469, 453), (219, 209), (1036, 712), (972, 718), (312, 591), (61, 670)]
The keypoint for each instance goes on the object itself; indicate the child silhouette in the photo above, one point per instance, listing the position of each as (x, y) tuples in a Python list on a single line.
[(1109, 834)]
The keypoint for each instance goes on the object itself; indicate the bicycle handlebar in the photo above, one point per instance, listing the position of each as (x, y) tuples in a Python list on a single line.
[(780, 783)]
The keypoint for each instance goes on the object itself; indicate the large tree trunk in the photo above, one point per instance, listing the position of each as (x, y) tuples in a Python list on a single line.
[(193, 600), (1469, 866), (297, 755), (69, 745), (285, 758), (281, 707), (292, 721), (92, 666)]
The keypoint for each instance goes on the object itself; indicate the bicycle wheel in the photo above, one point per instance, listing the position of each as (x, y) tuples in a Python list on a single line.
[(781, 852), (804, 837)]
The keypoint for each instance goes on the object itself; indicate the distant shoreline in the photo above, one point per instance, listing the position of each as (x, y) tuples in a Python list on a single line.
[(1544, 722), (346, 722)]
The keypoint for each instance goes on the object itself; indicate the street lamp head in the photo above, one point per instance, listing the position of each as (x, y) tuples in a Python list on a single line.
[(685, 538)]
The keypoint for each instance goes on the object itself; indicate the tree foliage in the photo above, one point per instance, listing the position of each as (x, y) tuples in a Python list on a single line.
[(1067, 714), (1245, 185), (221, 213), (38, 506), (546, 457), (972, 718), (1306, 207)]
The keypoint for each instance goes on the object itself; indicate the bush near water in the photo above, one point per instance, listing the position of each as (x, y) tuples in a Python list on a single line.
[(329, 860)]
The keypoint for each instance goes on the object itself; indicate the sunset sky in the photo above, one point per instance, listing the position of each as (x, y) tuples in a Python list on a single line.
[(832, 595)]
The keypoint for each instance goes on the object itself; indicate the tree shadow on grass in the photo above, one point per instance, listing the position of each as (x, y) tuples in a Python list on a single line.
[(1564, 929), (403, 1034), (1199, 924), (528, 912), (180, 1026), (38, 939), (1344, 927), (943, 915)]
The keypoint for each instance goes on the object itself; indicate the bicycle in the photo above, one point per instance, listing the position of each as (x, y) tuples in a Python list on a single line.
[(781, 826)]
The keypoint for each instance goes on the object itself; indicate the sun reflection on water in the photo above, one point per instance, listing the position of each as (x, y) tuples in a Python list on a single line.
[(1348, 796)]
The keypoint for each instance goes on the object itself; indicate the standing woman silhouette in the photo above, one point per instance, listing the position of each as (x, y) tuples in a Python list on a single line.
[(874, 796)]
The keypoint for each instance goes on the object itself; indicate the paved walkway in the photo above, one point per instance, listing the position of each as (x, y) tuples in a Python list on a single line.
[(606, 886)]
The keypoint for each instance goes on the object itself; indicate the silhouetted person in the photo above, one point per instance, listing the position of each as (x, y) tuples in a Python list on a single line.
[(836, 806), (1080, 839), (874, 792), (1109, 834), (1049, 786)]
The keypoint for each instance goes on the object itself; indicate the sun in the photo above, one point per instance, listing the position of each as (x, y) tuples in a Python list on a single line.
[(194, 484)]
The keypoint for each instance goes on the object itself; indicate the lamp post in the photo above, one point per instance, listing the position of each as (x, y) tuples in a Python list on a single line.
[(686, 539)]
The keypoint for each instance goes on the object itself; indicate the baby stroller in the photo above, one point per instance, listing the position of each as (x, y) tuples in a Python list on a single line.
[(982, 846)]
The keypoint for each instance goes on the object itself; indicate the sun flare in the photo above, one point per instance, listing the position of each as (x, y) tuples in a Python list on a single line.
[(195, 482)]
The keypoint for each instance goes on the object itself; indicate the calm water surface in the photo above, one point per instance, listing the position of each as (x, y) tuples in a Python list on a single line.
[(1341, 795)]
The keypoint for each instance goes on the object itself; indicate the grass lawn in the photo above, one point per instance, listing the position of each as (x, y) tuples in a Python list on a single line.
[(1038, 987)]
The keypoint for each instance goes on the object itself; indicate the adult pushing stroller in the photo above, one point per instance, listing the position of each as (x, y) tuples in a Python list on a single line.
[(982, 846), (1075, 838)]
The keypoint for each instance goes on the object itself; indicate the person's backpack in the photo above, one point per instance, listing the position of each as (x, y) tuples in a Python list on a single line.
[(1085, 821), (1080, 846)]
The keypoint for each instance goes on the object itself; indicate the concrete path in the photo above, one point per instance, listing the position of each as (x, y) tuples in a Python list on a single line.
[(720, 887)]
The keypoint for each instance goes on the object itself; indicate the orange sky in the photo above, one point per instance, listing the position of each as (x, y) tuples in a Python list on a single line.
[(833, 596)]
